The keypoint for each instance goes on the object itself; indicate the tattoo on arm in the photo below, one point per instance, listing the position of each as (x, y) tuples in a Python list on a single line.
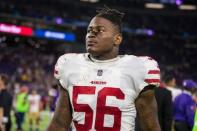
[(62, 117), (147, 111)]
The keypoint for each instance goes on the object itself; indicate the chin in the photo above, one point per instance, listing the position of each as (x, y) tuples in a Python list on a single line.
[(93, 52)]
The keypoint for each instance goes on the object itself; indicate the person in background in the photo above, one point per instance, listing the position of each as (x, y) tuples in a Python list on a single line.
[(5, 102), (184, 107), (165, 108), (170, 82), (53, 96), (1, 119), (194, 95), (22, 106), (34, 109)]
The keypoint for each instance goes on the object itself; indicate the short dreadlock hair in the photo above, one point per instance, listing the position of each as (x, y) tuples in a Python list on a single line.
[(112, 15)]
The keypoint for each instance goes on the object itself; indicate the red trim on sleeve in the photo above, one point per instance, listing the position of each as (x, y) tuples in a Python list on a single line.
[(154, 72), (152, 80), (55, 72)]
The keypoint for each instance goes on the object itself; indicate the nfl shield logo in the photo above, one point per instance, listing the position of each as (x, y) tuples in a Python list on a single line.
[(100, 73)]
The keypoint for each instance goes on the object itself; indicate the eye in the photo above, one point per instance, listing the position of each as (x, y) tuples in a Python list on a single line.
[(88, 30), (101, 30)]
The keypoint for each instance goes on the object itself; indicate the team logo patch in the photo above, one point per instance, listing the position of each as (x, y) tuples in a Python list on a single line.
[(100, 73)]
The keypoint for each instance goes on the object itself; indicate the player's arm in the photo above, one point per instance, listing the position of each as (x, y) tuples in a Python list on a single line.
[(147, 110), (62, 117)]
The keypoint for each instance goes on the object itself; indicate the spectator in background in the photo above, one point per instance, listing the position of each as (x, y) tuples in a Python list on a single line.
[(5, 102), (22, 106), (34, 109), (184, 107), (194, 95), (170, 82), (53, 95), (1, 119), (165, 107)]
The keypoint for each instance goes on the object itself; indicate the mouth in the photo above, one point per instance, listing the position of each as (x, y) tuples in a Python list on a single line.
[(91, 43)]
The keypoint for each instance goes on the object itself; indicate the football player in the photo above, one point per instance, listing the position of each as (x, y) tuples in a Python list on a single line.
[(102, 90)]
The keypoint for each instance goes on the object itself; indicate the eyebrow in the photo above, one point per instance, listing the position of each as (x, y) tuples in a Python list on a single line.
[(100, 26), (96, 27)]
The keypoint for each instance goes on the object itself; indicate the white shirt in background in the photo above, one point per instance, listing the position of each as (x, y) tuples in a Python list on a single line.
[(34, 103), (175, 92)]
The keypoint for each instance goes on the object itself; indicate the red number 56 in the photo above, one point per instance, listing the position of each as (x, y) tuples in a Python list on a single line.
[(101, 108)]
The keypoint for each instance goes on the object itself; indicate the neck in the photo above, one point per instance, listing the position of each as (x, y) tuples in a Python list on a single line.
[(105, 56), (169, 85)]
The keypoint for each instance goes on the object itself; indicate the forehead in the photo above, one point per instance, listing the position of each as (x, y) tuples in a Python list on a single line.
[(102, 22)]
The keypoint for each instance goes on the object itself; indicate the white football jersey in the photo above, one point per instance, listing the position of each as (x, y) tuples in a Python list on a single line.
[(34, 103), (103, 93)]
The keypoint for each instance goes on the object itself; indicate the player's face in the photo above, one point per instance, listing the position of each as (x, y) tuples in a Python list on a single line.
[(101, 36)]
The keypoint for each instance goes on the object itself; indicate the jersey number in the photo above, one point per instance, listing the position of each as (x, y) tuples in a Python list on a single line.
[(101, 108)]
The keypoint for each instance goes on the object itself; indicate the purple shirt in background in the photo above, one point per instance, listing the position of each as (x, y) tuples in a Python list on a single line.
[(54, 94), (184, 108)]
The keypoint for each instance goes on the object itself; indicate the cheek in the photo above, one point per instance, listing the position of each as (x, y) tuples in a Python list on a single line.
[(107, 41), (108, 44)]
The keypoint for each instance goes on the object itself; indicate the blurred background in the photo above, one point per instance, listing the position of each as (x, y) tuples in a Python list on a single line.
[(34, 33)]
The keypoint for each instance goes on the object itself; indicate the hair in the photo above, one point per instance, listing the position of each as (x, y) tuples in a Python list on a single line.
[(168, 78), (4, 78), (112, 15)]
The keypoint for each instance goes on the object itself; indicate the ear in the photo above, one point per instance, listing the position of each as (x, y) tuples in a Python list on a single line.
[(118, 39)]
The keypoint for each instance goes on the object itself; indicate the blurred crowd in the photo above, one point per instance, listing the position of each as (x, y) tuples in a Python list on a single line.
[(28, 67), (27, 72), (172, 42), (30, 70), (169, 23)]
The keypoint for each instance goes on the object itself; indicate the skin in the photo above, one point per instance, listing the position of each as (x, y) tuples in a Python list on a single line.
[(2, 84), (62, 116), (102, 42), (147, 111), (102, 39), (2, 87), (171, 83)]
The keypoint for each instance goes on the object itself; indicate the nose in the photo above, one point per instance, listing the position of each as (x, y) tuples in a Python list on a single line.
[(91, 34)]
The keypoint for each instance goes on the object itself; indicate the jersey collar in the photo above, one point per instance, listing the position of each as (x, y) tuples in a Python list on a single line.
[(102, 61)]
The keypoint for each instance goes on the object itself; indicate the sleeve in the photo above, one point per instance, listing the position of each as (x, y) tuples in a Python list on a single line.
[(59, 71), (150, 73), (190, 112)]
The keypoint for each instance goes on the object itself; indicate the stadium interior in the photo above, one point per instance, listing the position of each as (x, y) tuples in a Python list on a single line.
[(166, 30)]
